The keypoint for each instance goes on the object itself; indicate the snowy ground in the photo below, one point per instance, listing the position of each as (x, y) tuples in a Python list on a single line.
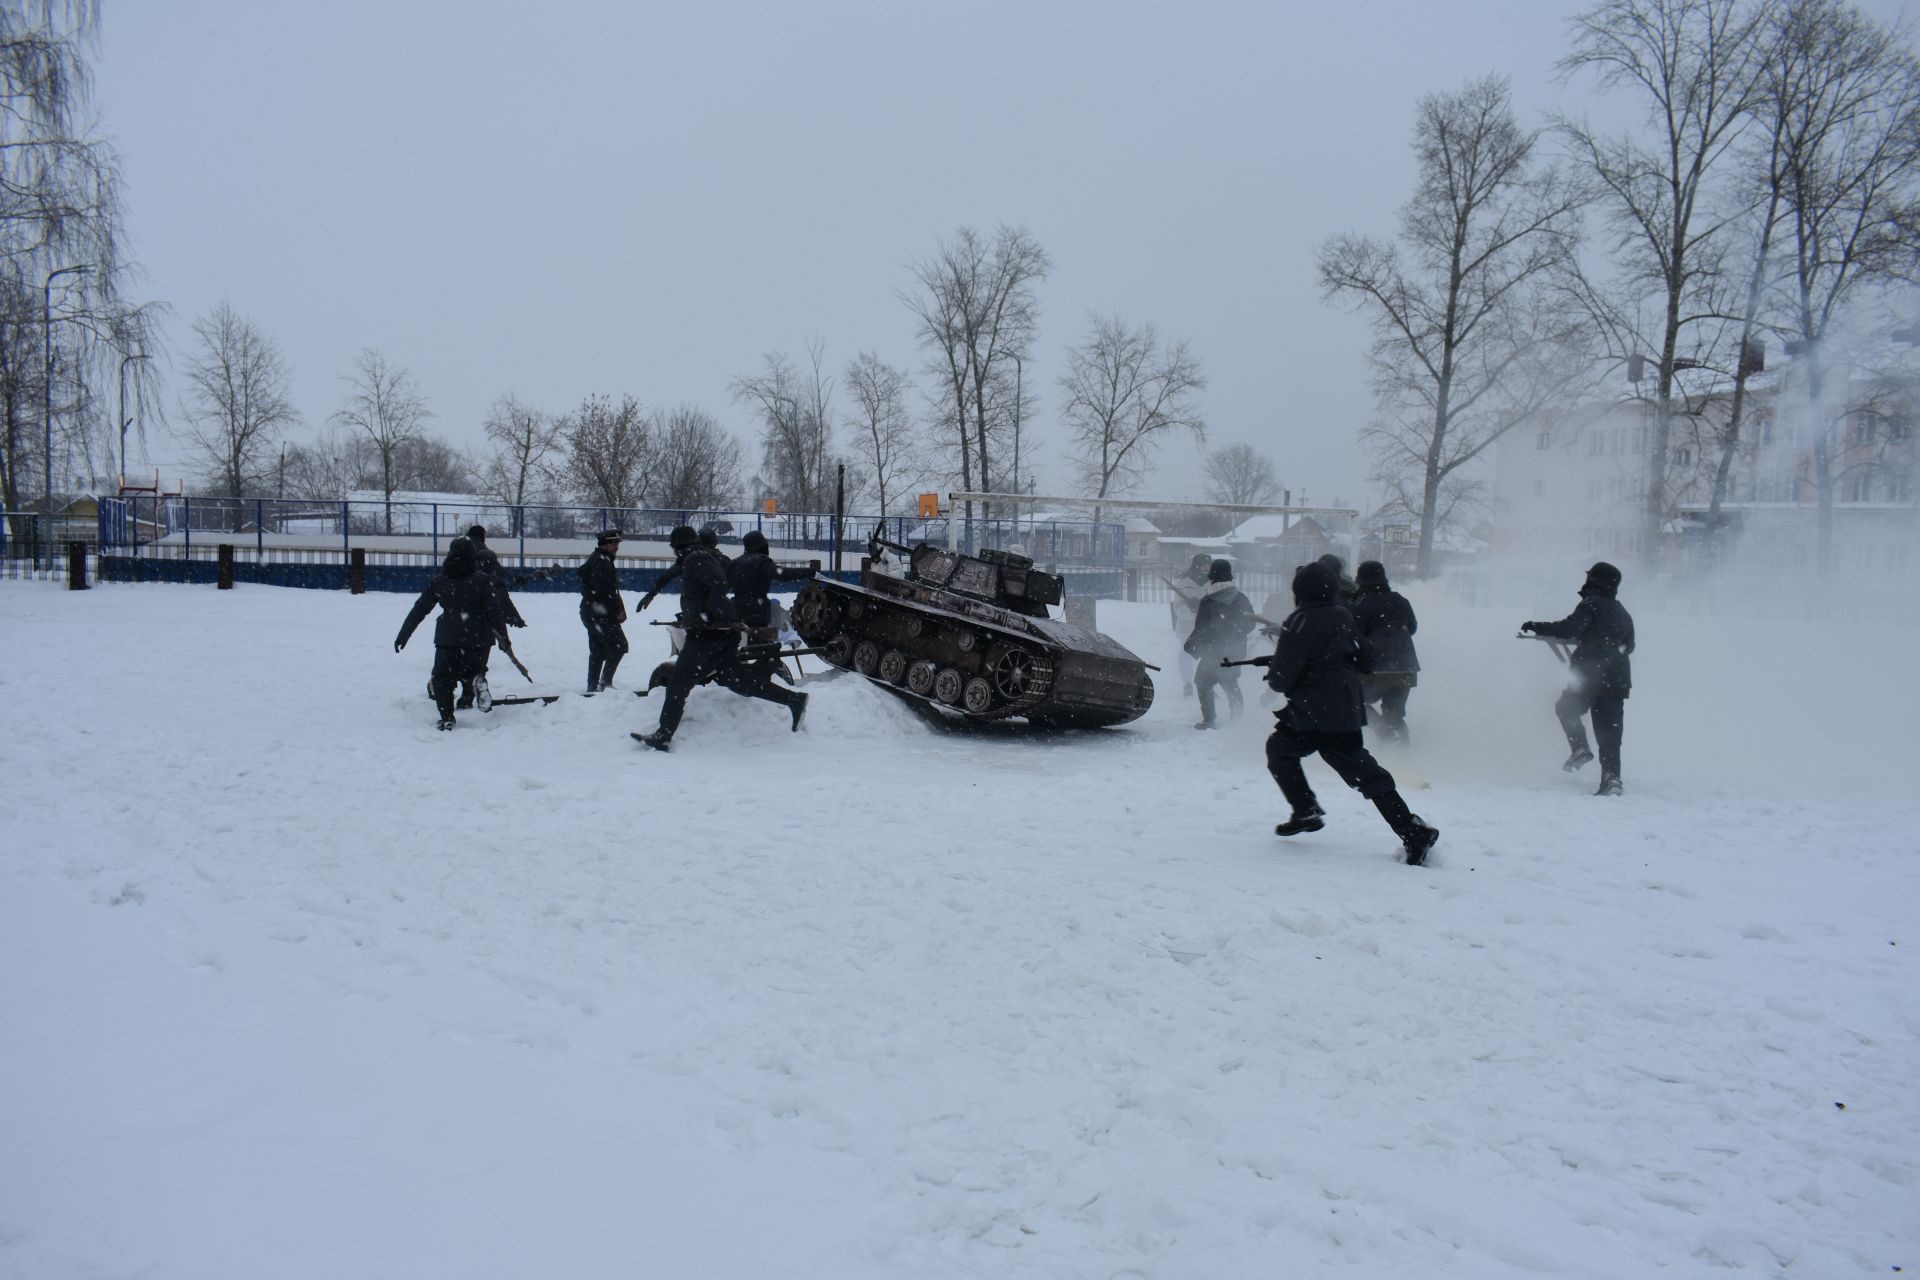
[(292, 985)]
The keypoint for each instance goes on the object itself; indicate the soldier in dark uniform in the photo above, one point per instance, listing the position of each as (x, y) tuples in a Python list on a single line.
[(602, 611), (1386, 619), (470, 618), (711, 651), (1317, 665), (752, 576), (1348, 590), (1602, 632), (487, 565), (1220, 627), (710, 539)]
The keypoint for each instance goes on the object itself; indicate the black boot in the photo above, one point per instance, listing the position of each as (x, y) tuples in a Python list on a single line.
[(593, 675), (1417, 840), (657, 740), (1580, 759), (606, 672), (1609, 785), (1310, 818), (799, 708)]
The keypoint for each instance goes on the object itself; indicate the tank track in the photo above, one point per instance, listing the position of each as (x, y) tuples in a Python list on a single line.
[(977, 671)]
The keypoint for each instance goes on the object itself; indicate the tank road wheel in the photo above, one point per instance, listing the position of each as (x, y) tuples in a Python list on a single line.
[(866, 656), (916, 625), (947, 686), (966, 640), (920, 676), (978, 696), (893, 666), (839, 651), (856, 608), (1012, 672)]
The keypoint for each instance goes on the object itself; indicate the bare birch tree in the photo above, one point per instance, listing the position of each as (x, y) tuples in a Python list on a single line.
[(882, 427), (796, 427), (1459, 305), (977, 309), (1239, 475), (1847, 93), (696, 460), (609, 457), (1126, 391), (384, 406), (1694, 66), (523, 440), (237, 399)]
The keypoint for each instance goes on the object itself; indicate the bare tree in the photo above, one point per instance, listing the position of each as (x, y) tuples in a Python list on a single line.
[(60, 223), (1694, 64), (384, 406), (977, 310), (322, 470), (697, 461), (610, 452), (881, 426), (523, 439), (433, 464), (1240, 475), (1125, 391), (1846, 92), (1458, 305), (237, 399), (796, 427)]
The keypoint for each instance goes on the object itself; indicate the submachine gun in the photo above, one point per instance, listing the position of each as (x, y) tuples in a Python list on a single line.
[(1555, 643)]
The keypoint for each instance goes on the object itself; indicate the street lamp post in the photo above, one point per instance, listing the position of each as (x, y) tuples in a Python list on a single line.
[(1019, 375), (46, 460), (125, 421)]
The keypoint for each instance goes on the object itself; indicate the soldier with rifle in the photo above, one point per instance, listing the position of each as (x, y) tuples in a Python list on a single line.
[(1220, 627), (1601, 631), (1182, 608), (1317, 665), (470, 620), (487, 565), (1385, 618), (712, 648)]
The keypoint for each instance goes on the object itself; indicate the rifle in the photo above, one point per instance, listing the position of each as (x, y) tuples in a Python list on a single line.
[(1265, 660), (1192, 602), (506, 647), (1554, 643)]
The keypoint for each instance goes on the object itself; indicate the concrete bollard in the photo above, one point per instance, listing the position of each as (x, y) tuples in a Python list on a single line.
[(357, 571), (223, 577), (76, 566)]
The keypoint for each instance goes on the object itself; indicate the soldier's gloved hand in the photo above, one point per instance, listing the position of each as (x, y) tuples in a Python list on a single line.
[(398, 645), (1529, 627), (516, 622)]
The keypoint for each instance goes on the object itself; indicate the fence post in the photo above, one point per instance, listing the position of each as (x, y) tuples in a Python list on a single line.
[(76, 566), (357, 571), (1133, 583), (520, 519), (223, 577), (186, 523), (434, 515)]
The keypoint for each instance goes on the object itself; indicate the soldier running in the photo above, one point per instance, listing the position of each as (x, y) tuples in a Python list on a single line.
[(711, 651), (1602, 632)]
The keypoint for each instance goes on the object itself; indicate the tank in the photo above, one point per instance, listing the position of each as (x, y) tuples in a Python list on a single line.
[(971, 634)]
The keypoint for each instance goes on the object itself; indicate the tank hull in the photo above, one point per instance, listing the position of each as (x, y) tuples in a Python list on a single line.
[(970, 656)]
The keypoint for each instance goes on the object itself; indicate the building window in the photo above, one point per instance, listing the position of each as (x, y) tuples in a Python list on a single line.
[(1596, 442), (1860, 489), (1862, 430), (1900, 424), (1683, 457), (1639, 439), (1545, 438)]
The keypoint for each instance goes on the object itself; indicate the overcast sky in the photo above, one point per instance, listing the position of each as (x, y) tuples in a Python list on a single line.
[(577, 198)]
